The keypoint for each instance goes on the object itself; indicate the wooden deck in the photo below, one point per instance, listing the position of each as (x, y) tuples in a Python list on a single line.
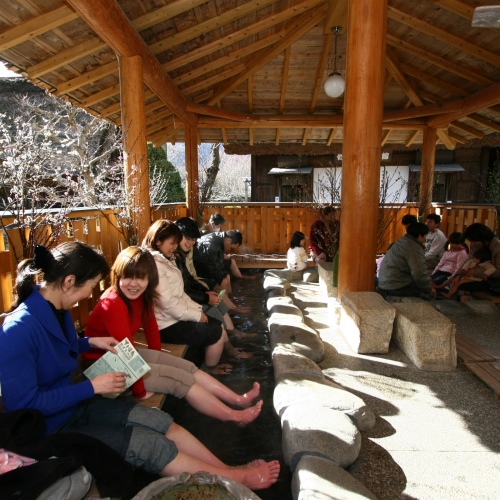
[(480, 361)]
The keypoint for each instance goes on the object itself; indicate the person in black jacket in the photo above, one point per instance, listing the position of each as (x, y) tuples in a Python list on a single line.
[(214, 305)]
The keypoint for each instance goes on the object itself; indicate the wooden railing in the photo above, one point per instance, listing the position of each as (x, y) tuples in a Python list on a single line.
[(266, 228)]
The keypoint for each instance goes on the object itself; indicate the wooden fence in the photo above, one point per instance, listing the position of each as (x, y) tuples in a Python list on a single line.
[(266, 228)]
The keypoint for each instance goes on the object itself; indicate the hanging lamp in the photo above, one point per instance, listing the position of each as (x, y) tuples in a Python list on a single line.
[(335, 84)]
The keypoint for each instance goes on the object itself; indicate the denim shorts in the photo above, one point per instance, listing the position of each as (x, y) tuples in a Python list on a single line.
[(135, 432)]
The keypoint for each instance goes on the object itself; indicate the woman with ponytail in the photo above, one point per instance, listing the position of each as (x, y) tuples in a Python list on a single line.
[(39, 350)]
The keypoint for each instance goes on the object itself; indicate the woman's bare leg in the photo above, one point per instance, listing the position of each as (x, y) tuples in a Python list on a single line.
[(205, 402), (224, 393), (235, 352), (229, 303), (214, 352), (194, 457)]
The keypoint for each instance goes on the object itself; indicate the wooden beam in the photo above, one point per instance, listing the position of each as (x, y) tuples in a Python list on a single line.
[(205, 27), (36, 26), (65, 57), (101, 96), (458, 108), (331, 136), (483, 121), (445, 138), (385, 136), (475, 102), (444, 36), (232, 38), (219, 76), (411, 138), (141, 23), (203, 109), (108, 20), (465, 128), (459, 8), (427, 56), (336, 15), (87, 78), (227, 60), (295, 29), (457, 137), (298, 121), (392, 65), (418, 74)]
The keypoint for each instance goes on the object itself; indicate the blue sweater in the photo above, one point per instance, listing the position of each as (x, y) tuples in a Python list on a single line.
[(36, 362)]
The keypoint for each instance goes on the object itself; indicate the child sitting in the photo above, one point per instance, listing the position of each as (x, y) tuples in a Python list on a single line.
[(452, 260), (476, 269), (296, 257)]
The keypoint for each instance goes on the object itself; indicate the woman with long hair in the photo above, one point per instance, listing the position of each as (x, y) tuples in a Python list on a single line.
[(126, 307), (180, 319), (39, 350)]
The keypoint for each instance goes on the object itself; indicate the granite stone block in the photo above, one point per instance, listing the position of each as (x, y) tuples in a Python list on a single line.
[(366, 321), (318, 431)]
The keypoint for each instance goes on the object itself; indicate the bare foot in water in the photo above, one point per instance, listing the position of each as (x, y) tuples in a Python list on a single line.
[(220, 369), (262, 476), (236, 352), (239, 335), (250, 465), (240, 310), (247, 398), (248, 415)]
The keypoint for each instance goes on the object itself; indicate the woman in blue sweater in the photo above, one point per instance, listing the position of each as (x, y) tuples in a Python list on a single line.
[(39, 350)]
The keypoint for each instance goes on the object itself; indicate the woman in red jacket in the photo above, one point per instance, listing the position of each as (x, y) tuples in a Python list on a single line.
[(126, 307)]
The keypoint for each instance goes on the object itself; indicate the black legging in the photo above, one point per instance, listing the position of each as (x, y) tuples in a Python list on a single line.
[(192, 333)]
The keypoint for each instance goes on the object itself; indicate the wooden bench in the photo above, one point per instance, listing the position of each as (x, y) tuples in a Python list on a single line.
[(483, 363), (487, 296)]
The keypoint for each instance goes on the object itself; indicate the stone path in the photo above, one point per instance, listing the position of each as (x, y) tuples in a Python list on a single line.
[(437, 433)]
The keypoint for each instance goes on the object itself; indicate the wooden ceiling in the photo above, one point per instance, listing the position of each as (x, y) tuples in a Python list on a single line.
[(252, 72)]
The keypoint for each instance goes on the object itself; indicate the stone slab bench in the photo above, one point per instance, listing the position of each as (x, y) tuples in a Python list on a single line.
[(366, 322), (425, 335)]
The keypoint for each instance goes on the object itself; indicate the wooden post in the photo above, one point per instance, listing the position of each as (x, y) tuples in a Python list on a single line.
[(192, 189), (427, 171), (363, 112), (134, 144)]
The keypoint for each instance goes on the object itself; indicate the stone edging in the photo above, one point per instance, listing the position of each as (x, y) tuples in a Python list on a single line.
[(321, 421)]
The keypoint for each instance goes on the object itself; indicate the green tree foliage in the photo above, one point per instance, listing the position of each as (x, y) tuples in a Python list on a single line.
[(163, 173)]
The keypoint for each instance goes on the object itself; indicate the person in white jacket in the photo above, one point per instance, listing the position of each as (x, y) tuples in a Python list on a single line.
[(435, 242), (180, 319)]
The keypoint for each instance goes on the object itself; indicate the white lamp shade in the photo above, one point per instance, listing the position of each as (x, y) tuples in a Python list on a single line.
[(334, 85)]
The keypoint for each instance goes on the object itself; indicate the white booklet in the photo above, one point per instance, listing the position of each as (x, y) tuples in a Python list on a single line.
[(128, 361)]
